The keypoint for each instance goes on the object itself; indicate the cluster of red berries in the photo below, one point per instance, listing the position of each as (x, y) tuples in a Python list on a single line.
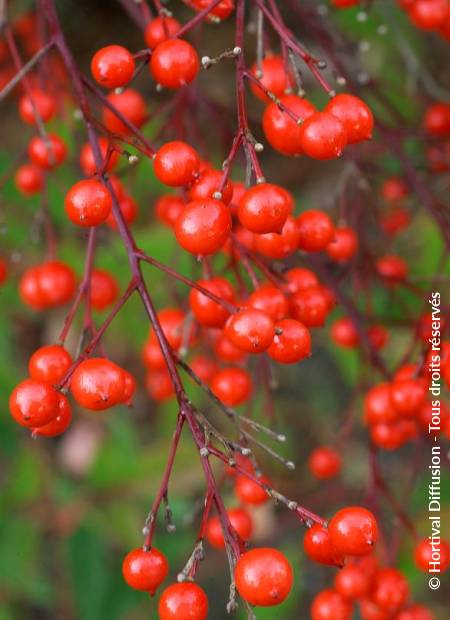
[(430, 15)]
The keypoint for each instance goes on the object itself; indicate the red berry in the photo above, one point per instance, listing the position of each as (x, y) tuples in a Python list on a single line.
[(174, 63), (160, 29), (353, 531), (43, 102), (415, 612), (29, 179), (3, 271), (241, 522), (378, 406), (98, 384), (88, 203), (322, 136), (59, 424), (370, 611), (392, 268), (344, 4), (316, 231), (250, 330), (34, 403), (203, 226), (176, 164), (183, 601), (272, 73), (388, 436), (232, 386), (207, 185), (344, 244), (279, 246), (325, 463), (129, 210), (317, 546), (354, 114), (168, 208), (226, 351), (47, 285), (300, 278), (263, 577), (87, 159), (281, 130), (219, 12), (390, 589), (408, 396), (103, 290), (204, 367), (429, 14), (394, 189), (208, 312), (270, 300), (344, 333), (352, 583), (429, 555), (159, 385), (131, 105), (311, 306), (145, 570), (47, 155), (291, 343), (264, 208), (250, 492), (49, 364), (112, 66), (437, 120), (330, 605)]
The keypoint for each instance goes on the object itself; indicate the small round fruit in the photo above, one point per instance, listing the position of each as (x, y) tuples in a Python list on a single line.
[(241, 522), (325, 463), (87, 159), (318, 547), (233, 386), (250, 330), (344, 245), (183, 601), (264, 208), (43, 102), (160, 29), (272, 74), (282, 245), (390, 589), (49, 364), (330, 605), (203, 226), (98, 384), (352, 583), (88, 203), (291, 343), (29, 179), (263, 577), (282, 131), (174, 63), (176, 164), (47, 154), (353, 531), (316, 231), (104, 289), (428, 555), (323, 136), (131, 105), (248, 491), (33, 403), (112, 66), (354, 114), (208, 312), (145, 570), (59, 424)]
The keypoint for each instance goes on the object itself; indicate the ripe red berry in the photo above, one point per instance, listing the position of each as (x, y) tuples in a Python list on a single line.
[(112, 66), (394, 189), (330, 605), (207, 185), (159, 385), (3, 271), (354, 114), (160, 29), (131, 105), (208, 312), (183, 601), (59, 424), (29, 179), (48, 285), (279, 246), (176, 164), (415, 612), (300, 278), (270, 300), (392, 268), (226, 351), (250, 492), (220, 12), (344, 4), (325, 463), (232, 386), (47, 155), (316, 230), (291, 343), (203, 226), (311, 306), (378, 406), (49, 364), (272, 73), (204, 367), (250, 330), (240, 520), (370, 611), (429, 14), (88, 203), (390, 436), (352, 583), (145, 570), (168, 208), (344, 244), (263, 577), (318, 547), (104, 289), (281, 130), (322, 136), (98, 384), (437, 120), (43, 102), (353, 531), (408, 396), (344, 333), (174, 63), (87, 159), (129, 210), (264, 208), (34, 403), (429, 555), (390, 589)]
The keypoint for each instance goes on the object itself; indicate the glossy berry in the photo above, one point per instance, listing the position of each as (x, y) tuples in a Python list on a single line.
[(248, 491), (323, 136), (353, 531), (299, 278), (264, 208), (392, 268), (47, 155), (49, 364), (145, 570), (112, 66), (207, 186), (33, 403), (311, 306), (241, 522), (203, 226), (233, 386), (220, 12), (316, 230), (352, 583), (282, 131), (226, 351), (330, 605), (437, 120), (3, 271), (29, 179), (168, 208), (325, 463), (291, 343), (408, 396), (390, 589), (208, 312), (429, 14), (103, 289), (344, 245), (378, 405), (174, 63), (354, 114), (98, 384), (131, 106), (160, 29), (43, 102), (48, 285), (272, 73), (250, 330), (370, 611), (176, 164), (270, 300), (88, 203), (87, 159), (344, 333), (129, 210), (279, 246), (183, 601), (428, 556), (59, 424), (415, 612), (263, 577), (318, 547)]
